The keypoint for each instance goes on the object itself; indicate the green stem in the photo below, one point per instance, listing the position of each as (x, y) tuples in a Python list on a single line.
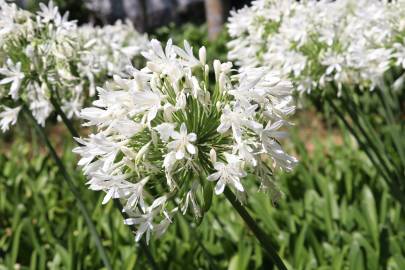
[(368, 133), (73, 189), (380, 168), (395, 134), (261, 236), (117, 203), (361, 143), (65, 120), (372, 139)]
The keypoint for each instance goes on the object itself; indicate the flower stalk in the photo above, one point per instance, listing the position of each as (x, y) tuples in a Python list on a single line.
[(260, 235), (375, 154)]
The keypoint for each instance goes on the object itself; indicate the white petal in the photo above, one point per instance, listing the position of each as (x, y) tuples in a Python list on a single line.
[(192, 137), (238, 185), (108, 196), (223, 127), (191, 148), (214, 176), (183, 129), (219, 188), (179, 155), (6, 80), (152, 113)]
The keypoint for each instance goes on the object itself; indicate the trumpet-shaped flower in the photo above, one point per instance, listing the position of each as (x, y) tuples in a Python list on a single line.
[(8, 117), (12, 74), (191, 131), (182, 142), (228, 173)]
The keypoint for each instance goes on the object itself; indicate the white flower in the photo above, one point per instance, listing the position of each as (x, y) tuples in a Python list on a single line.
[(48, 13), (187, 55), (190, 197), (227, 173), (400, 54), (182, 141), (202, 55), (238, 118), (98, 145), (8, 117), (165, 130), (73, 106), (12, 73), (165, 123), (136, 195), (39, 103), (145, 220), (147, 101), (333, 62)]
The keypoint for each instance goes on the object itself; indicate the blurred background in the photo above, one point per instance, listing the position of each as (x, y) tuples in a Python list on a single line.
[(146, 15), (335, 212)]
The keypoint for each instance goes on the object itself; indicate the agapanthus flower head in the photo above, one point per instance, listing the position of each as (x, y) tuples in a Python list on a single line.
[(314, 43), (168, 130), (44, 55)]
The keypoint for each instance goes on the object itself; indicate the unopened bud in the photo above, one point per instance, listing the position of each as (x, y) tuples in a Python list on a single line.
[(202, 54)]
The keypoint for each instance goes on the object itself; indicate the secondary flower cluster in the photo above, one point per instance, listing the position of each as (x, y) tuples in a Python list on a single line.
[(108, 50), (316, 42), (165, 131), (45, 55)]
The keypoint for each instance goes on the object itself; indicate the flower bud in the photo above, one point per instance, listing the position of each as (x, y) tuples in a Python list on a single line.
[(202, 55), (213, 155), (217, 68)]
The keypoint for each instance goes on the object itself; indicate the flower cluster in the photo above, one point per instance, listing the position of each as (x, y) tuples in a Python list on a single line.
[(165, 131), (108, 50), (45, 55), (317, 42)]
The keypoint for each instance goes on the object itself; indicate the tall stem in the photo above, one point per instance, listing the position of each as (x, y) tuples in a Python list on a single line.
[(65, 120), (383, 170), (73, 132), (359, 140), (73, 189), (261, 236), (369, 134), (395, 133)]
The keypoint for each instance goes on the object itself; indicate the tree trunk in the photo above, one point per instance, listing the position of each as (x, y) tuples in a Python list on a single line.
[(215, 15)]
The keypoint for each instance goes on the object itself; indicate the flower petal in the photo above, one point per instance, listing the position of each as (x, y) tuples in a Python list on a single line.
[(219, 188), (179, 154), (191, 148), (183, 129), (214, 176)]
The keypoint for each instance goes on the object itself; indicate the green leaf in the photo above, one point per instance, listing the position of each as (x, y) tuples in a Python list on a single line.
[(369, 209)]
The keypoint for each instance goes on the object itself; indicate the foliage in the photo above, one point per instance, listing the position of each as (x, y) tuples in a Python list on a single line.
[(336, 214), (41, 228)]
